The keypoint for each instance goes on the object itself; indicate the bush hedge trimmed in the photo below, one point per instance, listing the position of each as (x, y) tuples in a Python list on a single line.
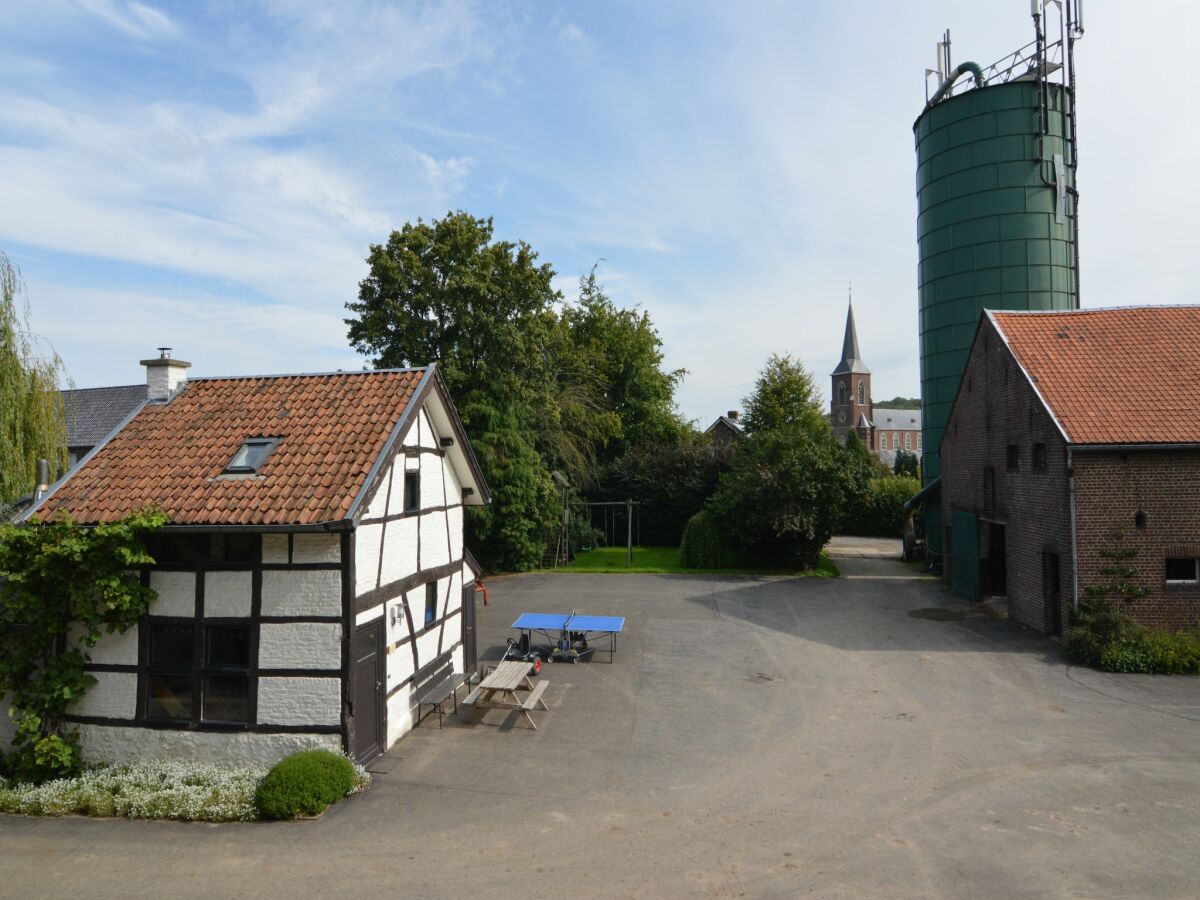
[(703, 546), (305, 783), (1105, 638)]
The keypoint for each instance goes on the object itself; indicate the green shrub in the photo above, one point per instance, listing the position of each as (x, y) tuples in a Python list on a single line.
[(1104, 637), (879, 511), (703, 545), (304, 783)]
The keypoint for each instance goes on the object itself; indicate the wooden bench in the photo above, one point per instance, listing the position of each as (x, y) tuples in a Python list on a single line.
[(435, 684), (535, 697), (436, 697)]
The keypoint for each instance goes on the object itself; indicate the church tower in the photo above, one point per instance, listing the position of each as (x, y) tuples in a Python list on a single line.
[(850, 404)]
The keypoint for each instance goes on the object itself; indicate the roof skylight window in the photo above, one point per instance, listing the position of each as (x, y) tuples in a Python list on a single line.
[(252, 455)]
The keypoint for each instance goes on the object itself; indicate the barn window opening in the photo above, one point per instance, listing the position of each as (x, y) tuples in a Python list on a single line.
[(1181, 570), (1014, 458), (1139, 520), (412, 491), (430, 603), (1039, 457), (252, 455)]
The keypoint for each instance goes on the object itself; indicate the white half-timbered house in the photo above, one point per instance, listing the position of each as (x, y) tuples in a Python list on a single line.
[(313, 577)]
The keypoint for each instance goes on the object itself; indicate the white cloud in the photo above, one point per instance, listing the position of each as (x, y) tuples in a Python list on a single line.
[(218, 336), (134, 19)]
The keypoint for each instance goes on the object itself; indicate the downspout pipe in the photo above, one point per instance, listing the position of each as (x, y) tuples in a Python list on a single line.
[(1074, 541), (910, 531), (959, 70)]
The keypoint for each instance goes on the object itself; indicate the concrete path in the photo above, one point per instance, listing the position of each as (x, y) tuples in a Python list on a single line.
[(763, 737)]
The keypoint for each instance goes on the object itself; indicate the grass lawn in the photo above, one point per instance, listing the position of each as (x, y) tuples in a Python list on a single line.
[(665, 561)]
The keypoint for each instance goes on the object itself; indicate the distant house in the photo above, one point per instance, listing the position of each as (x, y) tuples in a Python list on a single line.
[(896, 430), (1071, 462), (313, 578), (726, 431)]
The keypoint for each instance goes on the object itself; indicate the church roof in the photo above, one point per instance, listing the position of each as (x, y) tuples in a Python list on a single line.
[(1113, 376), (897, 419), (851, 360)]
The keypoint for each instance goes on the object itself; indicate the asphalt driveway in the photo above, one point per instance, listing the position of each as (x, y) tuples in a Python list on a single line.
[(860, 736)]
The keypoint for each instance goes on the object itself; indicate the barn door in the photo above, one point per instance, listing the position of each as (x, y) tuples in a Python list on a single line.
[(369, 683), (964, 564), (470, 655)]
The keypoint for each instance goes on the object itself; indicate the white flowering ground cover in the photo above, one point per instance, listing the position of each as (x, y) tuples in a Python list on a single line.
[(149, 789)]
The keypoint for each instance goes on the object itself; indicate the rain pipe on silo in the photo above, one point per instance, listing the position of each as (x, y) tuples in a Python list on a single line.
[(959, 70)]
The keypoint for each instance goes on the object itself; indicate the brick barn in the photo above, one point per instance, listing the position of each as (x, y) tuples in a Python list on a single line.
[(1071, 463)]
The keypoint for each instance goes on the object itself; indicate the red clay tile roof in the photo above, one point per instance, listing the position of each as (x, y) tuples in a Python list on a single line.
[(333, 428), (1114, 376)]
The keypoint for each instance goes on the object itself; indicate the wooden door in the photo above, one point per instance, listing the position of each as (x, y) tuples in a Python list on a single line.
[(369, 684), (470, 652)]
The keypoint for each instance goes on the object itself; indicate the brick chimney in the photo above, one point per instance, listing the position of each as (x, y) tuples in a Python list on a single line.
[(732, 415), (164, 375)]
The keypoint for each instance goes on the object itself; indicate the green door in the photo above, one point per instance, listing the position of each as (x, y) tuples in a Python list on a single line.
[(964, 562)]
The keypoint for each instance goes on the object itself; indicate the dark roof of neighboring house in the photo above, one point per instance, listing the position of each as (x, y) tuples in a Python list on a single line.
[(1113, 376), (732, 424), (94, 412), (334, 429)]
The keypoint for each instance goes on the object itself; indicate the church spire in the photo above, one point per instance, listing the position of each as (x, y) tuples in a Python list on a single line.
[(851, 361)]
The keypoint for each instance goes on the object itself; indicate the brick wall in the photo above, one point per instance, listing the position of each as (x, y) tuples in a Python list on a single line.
[(1111, 489), (997, 408)]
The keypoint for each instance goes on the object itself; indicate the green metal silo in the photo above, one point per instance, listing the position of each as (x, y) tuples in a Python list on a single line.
[(996, 223)]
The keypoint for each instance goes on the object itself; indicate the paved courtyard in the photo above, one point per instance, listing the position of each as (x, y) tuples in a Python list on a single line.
[(861, 736)]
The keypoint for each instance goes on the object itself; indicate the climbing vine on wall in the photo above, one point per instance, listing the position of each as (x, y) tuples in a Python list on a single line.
[(62, 587), (1119, 573)]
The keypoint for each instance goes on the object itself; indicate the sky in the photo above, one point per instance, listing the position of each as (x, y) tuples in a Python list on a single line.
[(209, 175)]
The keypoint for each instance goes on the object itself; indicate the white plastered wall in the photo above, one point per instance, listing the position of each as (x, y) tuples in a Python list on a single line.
[(114, 744), (386, 554)]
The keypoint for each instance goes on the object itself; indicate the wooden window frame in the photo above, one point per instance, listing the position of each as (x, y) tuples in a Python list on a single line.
[(199, 670)]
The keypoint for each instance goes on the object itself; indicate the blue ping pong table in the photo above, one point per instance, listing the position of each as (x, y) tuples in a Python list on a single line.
[(558, 626)]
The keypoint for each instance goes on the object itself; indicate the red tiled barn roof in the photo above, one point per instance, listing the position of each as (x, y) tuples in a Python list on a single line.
[(333, 428), (1114, 376)]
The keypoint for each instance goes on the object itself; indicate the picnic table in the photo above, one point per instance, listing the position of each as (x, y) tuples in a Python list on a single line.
[(509, 686)]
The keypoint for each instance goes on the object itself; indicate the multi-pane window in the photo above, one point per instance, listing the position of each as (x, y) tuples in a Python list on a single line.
[(431, 598), (907, 441), (412, 491), (895, 440), (198, 672), (1181, 570), (226, 547)]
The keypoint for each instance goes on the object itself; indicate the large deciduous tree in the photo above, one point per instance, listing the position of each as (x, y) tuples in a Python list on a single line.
[(542, 384), (789, 481), (446, 292), (32, 413), (625, 351)]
